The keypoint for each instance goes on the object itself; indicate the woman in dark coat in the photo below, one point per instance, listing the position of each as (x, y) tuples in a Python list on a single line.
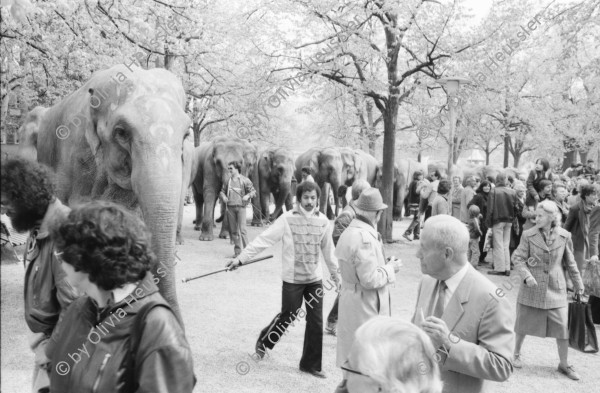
[(542, 171), (121, 337), (480, 200)]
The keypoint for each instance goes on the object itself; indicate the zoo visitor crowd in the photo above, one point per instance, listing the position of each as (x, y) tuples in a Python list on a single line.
[(99, 324)]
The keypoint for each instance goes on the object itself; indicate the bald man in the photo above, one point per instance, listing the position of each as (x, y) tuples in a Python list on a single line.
[(467, 317)]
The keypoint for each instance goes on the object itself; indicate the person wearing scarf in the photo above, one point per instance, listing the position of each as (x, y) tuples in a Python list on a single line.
[(578, 223)]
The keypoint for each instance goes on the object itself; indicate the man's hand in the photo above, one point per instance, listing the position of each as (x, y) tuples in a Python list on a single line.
[(225, 200), (536, 197), (437, 330), (233, 264), (530, 282), (337, 279), (395, 262), (594, 258), (245, 198)]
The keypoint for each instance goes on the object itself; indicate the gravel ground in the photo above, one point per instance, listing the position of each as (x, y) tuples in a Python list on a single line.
[(224, 313)]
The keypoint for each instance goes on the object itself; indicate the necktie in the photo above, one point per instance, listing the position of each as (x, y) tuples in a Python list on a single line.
[(438, 310)]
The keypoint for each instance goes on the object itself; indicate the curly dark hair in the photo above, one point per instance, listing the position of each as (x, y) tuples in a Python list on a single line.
[(307, 186), (106, 241), (587, 189), (28, 184)]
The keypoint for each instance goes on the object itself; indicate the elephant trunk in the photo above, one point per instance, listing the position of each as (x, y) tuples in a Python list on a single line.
[(285, 187), (157, 181)]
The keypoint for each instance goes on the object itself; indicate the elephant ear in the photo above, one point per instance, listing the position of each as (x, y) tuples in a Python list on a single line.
[(29, 131), (358, 163)]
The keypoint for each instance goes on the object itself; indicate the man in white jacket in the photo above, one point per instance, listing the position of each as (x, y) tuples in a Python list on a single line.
[(302, 231)]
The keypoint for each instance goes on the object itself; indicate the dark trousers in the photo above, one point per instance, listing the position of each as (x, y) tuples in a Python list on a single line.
[(481, 244), (291, 303), (237, 227), (415, 225), (333, 314)]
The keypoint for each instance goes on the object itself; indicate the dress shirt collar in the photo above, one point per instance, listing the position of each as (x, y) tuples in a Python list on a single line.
[(453, 282)]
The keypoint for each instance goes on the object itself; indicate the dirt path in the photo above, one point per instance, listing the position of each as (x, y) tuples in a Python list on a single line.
[(224, 313)]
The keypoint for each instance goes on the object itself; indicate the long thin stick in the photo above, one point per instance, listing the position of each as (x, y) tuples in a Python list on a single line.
[(227, 269)]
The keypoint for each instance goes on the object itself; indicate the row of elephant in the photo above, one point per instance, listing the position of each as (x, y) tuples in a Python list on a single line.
[(124, 136), (273, 169)]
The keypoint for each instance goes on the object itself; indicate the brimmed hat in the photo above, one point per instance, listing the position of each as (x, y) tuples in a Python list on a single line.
[(370, 200)]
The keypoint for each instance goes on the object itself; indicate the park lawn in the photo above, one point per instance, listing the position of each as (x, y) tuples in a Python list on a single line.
[(224, 314)]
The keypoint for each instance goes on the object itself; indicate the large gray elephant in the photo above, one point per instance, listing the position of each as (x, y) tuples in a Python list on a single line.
[(325, 165), (120, 138), (275, 172), (210, 175)]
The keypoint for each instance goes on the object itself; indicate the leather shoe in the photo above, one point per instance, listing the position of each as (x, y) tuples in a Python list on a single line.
[(569, 372), (495, 273), (259, 348), (314, 373)]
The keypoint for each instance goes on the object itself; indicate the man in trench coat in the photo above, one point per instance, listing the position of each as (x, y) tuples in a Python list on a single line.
[(365, 274)]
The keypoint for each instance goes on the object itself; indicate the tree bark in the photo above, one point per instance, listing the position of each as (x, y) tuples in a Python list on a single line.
[(506, 149)]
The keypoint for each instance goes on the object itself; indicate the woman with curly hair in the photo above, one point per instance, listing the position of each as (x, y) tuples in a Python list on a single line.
[(122, 336)]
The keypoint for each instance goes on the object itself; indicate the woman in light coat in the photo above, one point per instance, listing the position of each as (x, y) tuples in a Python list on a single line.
[(542, 300), (364, 271)]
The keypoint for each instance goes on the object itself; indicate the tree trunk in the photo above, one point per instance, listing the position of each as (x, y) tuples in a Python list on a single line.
[(583, 156), (569, 158), (517, 157), (196, 129), (387, 192), (506, 149)]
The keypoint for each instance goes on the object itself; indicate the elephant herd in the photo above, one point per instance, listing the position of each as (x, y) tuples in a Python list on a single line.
[(124, 136)]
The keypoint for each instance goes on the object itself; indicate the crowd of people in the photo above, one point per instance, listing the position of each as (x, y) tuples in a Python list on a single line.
[(89, 268)]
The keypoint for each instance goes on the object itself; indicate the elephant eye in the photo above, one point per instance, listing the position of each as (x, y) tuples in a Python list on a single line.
[(121, 134)]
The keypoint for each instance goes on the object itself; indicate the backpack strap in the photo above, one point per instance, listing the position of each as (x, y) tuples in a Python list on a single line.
[(135, 337)]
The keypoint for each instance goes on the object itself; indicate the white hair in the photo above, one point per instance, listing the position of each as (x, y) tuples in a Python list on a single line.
[(447, 231), (397, 355)]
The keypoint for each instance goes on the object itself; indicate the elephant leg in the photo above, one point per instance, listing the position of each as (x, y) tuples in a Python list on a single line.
[(398, 201), (198, 203), (324, 202), (265, 196), (224, 234), (208, 216)]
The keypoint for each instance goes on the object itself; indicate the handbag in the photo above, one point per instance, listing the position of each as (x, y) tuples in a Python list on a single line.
[(582, 334)]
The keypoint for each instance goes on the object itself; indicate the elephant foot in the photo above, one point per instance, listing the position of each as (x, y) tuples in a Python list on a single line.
[(179, 239), (397, 218), (224, 235), (196, 227), (256, 223), (206, 237)]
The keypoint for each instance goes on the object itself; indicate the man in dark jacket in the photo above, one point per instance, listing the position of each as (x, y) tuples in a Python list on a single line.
[(28, 196), (499, 217), (235, 194), (339, 226)]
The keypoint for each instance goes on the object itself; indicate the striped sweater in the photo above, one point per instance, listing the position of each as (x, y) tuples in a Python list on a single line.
[(302, 237)]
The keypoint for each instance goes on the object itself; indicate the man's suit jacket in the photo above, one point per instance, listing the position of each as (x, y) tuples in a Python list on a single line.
[(481, 321)]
